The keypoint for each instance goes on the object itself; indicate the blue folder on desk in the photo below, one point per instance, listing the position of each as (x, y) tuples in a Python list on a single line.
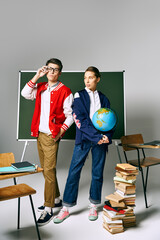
[(7, 170)]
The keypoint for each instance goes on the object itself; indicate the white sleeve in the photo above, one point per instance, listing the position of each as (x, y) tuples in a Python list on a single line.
[(76, 95), (29, 91), (67, 109)]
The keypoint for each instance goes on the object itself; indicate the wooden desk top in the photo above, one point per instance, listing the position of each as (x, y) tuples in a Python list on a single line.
[(14, 175), (143, 146)]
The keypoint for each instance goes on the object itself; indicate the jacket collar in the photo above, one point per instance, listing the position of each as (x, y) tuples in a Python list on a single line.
[(55, 87), (89, 91)]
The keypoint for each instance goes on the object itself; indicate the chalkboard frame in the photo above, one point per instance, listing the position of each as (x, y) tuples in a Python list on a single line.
[(72, 129)]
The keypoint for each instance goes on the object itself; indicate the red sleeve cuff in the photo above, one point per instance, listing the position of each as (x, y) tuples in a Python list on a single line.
[(64, 127), (31, 84)]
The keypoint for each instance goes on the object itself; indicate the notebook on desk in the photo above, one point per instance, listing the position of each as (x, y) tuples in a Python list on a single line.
[(153, 143), (23, 165)]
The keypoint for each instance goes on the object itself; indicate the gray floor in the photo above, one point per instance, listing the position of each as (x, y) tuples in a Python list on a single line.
[(77, 226)]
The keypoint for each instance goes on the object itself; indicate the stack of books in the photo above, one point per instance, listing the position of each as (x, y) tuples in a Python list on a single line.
[(19, 167), (112, 218), (118, 211)]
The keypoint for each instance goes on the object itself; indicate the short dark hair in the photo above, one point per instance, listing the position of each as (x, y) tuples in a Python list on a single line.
[(55, 61), (95, 70)]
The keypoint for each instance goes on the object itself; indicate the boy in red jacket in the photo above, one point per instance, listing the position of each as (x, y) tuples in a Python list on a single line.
[(52, 117)]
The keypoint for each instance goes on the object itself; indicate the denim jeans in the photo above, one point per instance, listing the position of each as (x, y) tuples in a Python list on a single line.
[(79, 156)]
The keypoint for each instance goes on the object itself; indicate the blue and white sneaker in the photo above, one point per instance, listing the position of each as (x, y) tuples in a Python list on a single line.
[(45, 218)]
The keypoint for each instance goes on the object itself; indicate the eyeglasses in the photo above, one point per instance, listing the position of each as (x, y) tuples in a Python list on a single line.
[(50, 69)]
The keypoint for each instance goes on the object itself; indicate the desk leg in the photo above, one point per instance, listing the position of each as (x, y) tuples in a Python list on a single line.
[(34, 215), (18, 214), (146, 179), (144, 185)]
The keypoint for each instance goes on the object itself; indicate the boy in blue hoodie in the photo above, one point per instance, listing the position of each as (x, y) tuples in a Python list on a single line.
[(86, 103)]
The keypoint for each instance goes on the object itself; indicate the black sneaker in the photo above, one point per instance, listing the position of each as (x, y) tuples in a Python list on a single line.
[(41, 208), (57, 205), (45, 218)]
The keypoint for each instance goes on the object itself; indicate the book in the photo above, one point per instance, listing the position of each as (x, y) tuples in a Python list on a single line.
[(21, 165), (108, 204), (115, 197), (153, 143), (114, 209), (125, 195), (125, 175), (130, 202), (125, 187), (127, 172), (113, 226), (119, 204), (112, 215), (115, 222), (118, 210), (129, 214), (126, 166), (112, 230), (129, 221), (120, 179)]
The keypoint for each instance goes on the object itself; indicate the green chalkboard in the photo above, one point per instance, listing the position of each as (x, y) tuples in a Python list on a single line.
[(111, 84)]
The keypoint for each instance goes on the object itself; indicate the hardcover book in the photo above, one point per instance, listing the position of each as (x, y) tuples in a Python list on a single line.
[(20, 165)]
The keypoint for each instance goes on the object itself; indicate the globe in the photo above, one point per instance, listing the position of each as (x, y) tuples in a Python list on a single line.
[(104, 119)]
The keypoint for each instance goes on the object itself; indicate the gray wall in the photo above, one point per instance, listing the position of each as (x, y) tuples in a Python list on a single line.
[(112, 35)]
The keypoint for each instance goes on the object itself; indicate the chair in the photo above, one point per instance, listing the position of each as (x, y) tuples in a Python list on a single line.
[(16, 190), (141, 161)]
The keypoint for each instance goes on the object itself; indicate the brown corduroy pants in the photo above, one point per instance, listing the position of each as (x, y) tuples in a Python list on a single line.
[(48, 150)]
